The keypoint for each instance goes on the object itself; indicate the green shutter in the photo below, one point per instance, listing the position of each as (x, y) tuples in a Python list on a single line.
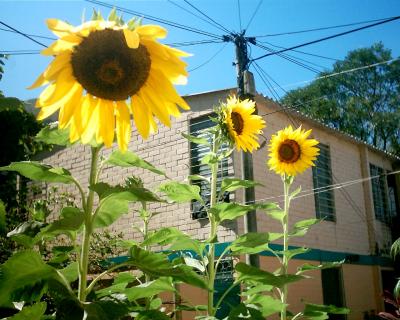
[(322, 178), (197, 152)]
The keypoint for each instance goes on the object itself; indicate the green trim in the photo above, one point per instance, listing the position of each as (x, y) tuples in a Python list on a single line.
[(314, 255)]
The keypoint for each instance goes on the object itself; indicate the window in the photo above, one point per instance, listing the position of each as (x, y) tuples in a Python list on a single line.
[(322, 177), (379, 193), (197, 152), (332, 290)]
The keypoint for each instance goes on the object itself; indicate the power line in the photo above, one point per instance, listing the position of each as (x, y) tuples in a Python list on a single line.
[(322, 28), (254, 14), (327, 38), (153, 18), (208, 17), (31, 35), (23, 34), (302, 52), (193, 43), (210, 59), (193, 14), (240, 15)]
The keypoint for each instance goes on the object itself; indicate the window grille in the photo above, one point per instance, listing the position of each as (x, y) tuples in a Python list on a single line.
[(379, 193), (322, 178), (197, 152)]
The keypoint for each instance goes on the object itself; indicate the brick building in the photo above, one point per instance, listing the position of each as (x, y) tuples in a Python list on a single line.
[(357, 217)]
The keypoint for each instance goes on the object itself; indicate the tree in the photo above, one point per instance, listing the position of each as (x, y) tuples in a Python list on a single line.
[(364, 103)]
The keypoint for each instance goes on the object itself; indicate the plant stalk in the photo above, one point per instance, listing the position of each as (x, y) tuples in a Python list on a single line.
[(213, 232), (88, 229), (285, 260)]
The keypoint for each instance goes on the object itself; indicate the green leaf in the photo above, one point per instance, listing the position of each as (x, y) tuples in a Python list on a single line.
[(40, 172), (163, 236), (34, 312), (317, 311), (395, 249), (25, 234), (243, 311), (51, 134), (152, 315), (253, 274), (23, 269), (120, 283), (3, 227), (290, 253), (70, 272), (181, 192), (10, 103), (253, 242), (295, 192), (71, 220), (149, 289), (197, 177), (158, 265), (209, 158), (116, 204), (309, 267), (300, 228), (129, 159), (196, 140), (267, 304), (229, 211), (105, 310), (257, 289), (232, 184)]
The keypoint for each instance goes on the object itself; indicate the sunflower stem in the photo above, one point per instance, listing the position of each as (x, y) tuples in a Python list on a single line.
[(287, 181), (213, 230), (88, 228)]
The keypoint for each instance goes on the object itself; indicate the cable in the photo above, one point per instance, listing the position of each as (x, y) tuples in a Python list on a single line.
[(283, 56), (240, 16), (159, 20), (193, 14), (342, 72), (192, 43), (31, 35), (210, 59), (254, 14), (267, 83), (327, 38), (302, 52), (266, 74), (322, 28), (23, 34), (208, 17)]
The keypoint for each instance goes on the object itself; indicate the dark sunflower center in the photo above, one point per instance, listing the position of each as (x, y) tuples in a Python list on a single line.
[(289, 151), (107, 68), (237, 122)]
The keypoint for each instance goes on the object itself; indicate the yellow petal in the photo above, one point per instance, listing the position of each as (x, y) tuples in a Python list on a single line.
[(46, 112), (140, 116), (159, 110), (152, 31), (59, 28), (40, 81), (67, 110), (92, 124), (58, 47), (123, 125), (75, 129), (131, 38), (58, 89), (61, 61), (107, 121)]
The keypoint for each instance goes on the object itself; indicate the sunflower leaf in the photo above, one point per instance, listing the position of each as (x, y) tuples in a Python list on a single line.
[(310, 267), (34, 312), (300, 228), (196, 140), (197, 177), (129, 159), (2, 218), (180, 192), (229, 211), (320, 312), (40, 172), (53, 135), (149, 289), (232, 184), (253, 242)]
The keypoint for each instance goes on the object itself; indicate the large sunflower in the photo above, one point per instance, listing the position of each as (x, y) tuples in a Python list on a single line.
[(242, 125), (104, 71), (291, 152)]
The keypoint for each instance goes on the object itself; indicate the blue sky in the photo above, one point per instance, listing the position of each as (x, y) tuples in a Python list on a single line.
[(272, 17)]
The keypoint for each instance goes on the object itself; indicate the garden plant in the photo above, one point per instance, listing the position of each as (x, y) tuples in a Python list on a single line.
[(103, 72)]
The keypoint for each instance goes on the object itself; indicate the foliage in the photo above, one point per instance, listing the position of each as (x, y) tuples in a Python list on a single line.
[(364, 103)]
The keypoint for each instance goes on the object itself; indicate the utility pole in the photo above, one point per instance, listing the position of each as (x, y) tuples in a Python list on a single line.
[(246, 90)]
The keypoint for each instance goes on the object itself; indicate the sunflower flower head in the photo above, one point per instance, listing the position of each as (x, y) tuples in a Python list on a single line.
[(291, 152), (239, 124), (104, 72)]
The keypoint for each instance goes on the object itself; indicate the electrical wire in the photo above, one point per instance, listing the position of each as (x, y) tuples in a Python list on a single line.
[(193, 14), (240, 16), (210, 59), (155, 19), (327, 38), (322, 28), (23, 34), (254, 14), (208, 17), (31, 35), (192, 43)]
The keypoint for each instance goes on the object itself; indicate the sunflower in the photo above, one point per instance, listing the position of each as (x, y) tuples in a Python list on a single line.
[(291, 152), (242, 126), (105, 71)]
